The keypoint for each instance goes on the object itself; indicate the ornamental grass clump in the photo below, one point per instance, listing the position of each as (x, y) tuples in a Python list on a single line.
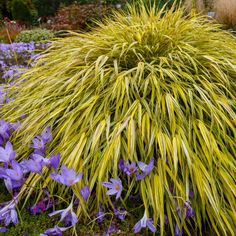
[(150, 87)]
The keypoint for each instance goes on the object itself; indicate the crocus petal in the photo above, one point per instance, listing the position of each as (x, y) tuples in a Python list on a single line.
[(8, 184), (3, 229), (78, 177), (116, 181), (107, 184), (121, 165), (74, 218), (55, 176), (151, 226), (111, 191), (55, 213), (14, 217), (142, 166), (55, 161), (118, 194), (137, 227), (150, 166), (66, 172), (140, 176), (85, 192), (47, 135), (33, 166)]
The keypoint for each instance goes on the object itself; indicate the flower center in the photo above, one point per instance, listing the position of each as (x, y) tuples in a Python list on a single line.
[(117, 187)]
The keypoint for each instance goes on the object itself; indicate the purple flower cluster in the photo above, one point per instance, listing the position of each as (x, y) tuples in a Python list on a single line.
[(15, 173), (8, 214), (15, 58), (140, 169)]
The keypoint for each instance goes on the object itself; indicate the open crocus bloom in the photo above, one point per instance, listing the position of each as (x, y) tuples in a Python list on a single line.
[(143, 223)]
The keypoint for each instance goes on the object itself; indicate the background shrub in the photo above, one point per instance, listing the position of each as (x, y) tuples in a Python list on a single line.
[(21, 11), (9, 30), (144, 84), (77, 16), (47, 8), (35, 35), (226, 13)]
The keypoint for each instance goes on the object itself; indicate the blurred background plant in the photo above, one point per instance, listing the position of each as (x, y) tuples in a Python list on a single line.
[(226, 13), (9, 30), (77, 16), (34, 35)]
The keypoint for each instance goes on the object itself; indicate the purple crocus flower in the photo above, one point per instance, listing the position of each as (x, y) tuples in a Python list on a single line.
[(112, 228), (7, 154), (166, 221), (38, 208), (16, 172), (54, 161), (186, 211), (85, 192), (68, 177), (16, 125), (3, 229), (5, 130), (67, 215), (55, 231), (47, 135), (189, 210), (130, 168), (101, 214), (178, 232), (1, 141), (32, 166), (51, 162), (115, 187), (145, 168), (191, 194), (143, 223), (38, 145), (8, 213), (42, 206), (120, 213), (3, 172), (12, 184)]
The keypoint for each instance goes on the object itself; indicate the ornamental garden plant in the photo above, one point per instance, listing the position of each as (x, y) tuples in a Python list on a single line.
[(140, 110)]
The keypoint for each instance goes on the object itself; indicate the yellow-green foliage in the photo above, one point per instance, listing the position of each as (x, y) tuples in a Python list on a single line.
[(141, 85)]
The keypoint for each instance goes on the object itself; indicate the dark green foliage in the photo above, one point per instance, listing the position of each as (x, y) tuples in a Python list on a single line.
[(46, 8), (21, 11)]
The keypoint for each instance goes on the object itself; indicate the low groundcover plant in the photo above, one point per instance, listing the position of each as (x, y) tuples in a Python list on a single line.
[(144, 104)]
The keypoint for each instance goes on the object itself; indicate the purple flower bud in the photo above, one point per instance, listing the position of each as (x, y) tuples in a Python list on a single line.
[(120, 213), (189, 210), (38, 144), (101, 214), (178, 232), (146, 169), (47, 135), (85, 192)]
